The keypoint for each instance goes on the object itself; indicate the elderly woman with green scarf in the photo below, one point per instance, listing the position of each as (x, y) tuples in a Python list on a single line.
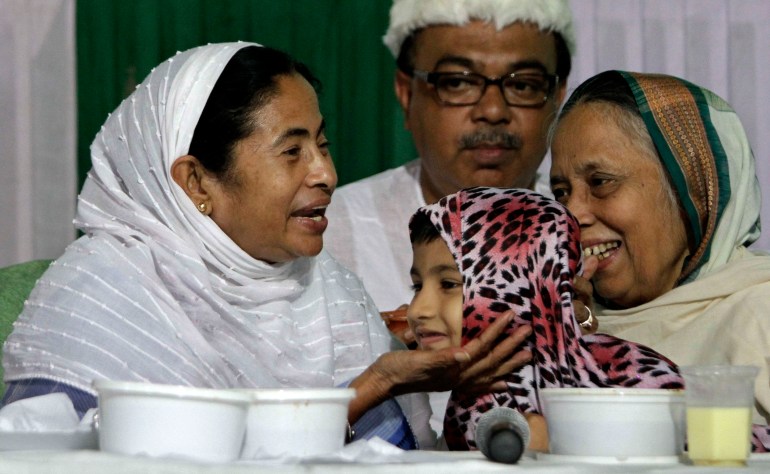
[(662, 179)]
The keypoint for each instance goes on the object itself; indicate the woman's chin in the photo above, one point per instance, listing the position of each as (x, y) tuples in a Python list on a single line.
[(291, 252), (609, 292), (619, 299), (307, 246)]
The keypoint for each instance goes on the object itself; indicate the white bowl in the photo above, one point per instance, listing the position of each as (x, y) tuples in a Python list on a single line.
[(614, 422), (296, 422), (155, 420)]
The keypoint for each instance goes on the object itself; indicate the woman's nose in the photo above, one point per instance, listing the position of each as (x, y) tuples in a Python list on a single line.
[(581, 207), (322, 171)]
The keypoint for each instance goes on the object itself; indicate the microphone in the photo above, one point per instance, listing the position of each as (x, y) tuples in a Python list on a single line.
[(502, 435)]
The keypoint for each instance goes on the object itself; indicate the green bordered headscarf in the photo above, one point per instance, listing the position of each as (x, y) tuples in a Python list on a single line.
[(703, 147), (677, 117)]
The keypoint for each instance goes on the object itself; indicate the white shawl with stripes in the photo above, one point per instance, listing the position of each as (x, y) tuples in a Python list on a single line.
[(155, 291)]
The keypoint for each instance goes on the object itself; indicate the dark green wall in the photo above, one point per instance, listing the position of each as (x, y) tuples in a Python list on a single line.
[(119, 41)]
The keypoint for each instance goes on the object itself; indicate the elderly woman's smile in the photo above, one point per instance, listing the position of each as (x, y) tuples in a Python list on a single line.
[(600, 251)]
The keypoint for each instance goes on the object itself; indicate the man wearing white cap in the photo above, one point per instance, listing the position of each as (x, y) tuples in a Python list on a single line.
[(479, 82)]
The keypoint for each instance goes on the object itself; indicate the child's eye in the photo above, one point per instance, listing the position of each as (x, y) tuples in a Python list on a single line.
[(416, 287), (450, 284)]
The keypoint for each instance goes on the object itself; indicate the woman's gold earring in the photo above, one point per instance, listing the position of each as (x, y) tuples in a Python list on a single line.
[(202, 207)]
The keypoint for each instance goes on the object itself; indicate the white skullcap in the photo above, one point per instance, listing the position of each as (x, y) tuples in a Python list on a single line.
[(406, 16)]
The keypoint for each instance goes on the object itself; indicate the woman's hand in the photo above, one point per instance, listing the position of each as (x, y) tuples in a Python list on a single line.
[(584, 297), (479, 366)]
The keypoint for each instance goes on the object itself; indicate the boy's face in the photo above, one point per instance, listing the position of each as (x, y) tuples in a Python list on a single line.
[(435, 314)]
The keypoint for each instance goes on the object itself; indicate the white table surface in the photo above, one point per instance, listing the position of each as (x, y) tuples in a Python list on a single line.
[(92, 461)]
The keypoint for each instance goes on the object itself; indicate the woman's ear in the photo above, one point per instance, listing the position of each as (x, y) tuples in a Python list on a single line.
[(190, 175)]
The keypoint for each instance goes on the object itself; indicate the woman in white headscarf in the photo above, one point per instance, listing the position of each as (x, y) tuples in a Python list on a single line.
[(661, 176), (202, 261)]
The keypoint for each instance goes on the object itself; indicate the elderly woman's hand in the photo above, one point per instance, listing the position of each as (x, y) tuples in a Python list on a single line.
[(478, 366), (584, 299)]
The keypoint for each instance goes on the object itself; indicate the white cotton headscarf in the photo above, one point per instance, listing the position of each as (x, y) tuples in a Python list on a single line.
[(155, 291)]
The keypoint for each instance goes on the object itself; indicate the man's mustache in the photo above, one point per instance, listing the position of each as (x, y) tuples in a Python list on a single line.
[(494, 138)]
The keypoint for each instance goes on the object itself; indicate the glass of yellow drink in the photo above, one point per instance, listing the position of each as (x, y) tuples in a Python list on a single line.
[(719, 399)]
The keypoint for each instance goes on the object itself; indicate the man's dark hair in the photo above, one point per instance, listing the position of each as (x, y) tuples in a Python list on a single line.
[(405, 59)]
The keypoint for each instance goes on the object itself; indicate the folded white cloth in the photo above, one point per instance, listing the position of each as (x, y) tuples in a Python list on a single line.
[(46, 413)]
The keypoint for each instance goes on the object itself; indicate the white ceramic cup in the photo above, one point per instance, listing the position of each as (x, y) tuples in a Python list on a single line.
[(155, 420), (618, 423), (296, 422)]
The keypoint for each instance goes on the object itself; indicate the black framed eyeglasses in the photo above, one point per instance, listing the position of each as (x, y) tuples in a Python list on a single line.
[(519, 89)]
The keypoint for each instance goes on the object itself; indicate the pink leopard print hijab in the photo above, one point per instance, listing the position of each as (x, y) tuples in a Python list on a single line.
[(519, 250)]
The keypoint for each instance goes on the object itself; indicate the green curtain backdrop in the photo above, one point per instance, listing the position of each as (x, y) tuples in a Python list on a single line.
[(119, 41)]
